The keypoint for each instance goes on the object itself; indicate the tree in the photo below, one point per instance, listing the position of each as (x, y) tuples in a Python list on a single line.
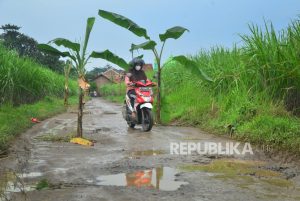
[(174, 32), (78, 54), (67, 69), (90, 75), (27, 47)]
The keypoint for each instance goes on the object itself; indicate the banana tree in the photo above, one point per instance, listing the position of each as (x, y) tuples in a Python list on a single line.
[(78, 54), (67, 69), (174, 32)]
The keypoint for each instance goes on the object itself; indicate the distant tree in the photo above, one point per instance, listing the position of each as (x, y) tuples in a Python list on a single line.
[(27, 47), (90, 75)]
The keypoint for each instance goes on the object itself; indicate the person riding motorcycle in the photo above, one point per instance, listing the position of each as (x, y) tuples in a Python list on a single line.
[(135, 74)]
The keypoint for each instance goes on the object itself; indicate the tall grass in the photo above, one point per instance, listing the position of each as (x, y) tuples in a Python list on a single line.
[(24, 81), (114, 92), (254, 87)]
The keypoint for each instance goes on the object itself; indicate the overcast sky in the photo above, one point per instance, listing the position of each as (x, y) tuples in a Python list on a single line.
[(211, 22)]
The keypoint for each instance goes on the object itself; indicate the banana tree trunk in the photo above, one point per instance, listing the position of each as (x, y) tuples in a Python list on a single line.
[(66, 96), (80, 113), (158, 105)]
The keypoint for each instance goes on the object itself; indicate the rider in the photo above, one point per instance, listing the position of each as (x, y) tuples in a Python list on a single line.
[(135, 74)]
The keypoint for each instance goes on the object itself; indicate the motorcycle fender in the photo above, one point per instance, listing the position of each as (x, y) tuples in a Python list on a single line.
[(147, 105)]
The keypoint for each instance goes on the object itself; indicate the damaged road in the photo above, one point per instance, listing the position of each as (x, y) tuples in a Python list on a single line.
[(128, 164)]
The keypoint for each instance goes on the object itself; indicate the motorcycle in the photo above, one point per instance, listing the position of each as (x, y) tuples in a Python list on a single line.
[(142, 106)]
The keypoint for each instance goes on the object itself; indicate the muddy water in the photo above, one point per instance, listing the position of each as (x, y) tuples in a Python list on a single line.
[(156, 178), (127, 164)]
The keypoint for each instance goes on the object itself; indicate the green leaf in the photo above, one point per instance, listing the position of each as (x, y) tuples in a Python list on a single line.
[(192, 66), (149, 45), (51, 50), (111, 57), (125, 23), (89, 26), (66, 43), (174, 32)]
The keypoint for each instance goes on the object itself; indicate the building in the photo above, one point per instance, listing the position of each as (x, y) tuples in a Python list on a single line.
[(148, 67), (109, 76), (114, 75)]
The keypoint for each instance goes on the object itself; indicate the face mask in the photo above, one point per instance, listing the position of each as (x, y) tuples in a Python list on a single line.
[(138, 68)]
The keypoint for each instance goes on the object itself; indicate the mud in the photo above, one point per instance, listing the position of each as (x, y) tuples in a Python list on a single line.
[(128, 164)]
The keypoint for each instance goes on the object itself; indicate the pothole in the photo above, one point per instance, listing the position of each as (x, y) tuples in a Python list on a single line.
[(109, 112), (3, 154), (147, 153), (247, 171), (162, 178), (11, 182)]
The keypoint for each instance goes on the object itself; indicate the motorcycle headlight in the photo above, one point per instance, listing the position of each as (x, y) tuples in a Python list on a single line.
[(147, 99)]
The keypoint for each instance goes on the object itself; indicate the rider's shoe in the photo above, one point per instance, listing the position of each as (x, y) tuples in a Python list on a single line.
[(133, 115)]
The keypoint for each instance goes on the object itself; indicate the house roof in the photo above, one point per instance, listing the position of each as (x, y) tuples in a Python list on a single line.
[(148, 67), (107, 75)]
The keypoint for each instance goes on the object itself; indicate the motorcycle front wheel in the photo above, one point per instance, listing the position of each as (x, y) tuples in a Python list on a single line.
[(147, 119)]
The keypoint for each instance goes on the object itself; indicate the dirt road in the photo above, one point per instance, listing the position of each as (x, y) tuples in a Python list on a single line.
[(127, 164)]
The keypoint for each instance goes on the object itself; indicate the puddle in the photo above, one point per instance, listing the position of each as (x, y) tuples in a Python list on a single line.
[(30, 175), (16, 188), (3, 154), (147, 153), (109, 112), (10, 182), (157, 178), (248, 172)]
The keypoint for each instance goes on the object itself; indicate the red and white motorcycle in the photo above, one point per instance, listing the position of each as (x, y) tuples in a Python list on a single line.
[(142, 106)]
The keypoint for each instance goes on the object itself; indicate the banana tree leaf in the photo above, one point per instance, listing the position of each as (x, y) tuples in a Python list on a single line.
[(89, 26), (192, 66), (125, 23), (51, 50), (149, 45), (111, 57), (66, 43), (174, 32)]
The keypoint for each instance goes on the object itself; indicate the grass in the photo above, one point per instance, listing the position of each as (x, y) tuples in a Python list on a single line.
[(56, 138), (15, 120), (253, 93), (42, 184), (25, 81), (113, 92), (27, 90)]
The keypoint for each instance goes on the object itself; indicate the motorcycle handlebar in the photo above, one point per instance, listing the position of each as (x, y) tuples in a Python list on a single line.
[(134, 84)]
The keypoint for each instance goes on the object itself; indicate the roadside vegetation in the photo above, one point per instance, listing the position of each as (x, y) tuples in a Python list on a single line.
[(15, 120), (27, 90), (113, 92), (255, 95), (25, 81), (116, 91)]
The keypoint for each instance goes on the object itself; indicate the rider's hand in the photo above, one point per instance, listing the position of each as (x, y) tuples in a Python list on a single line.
[(154, 84), (131, 84)]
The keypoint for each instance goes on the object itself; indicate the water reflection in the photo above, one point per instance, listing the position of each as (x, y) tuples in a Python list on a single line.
[(162, 178)]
